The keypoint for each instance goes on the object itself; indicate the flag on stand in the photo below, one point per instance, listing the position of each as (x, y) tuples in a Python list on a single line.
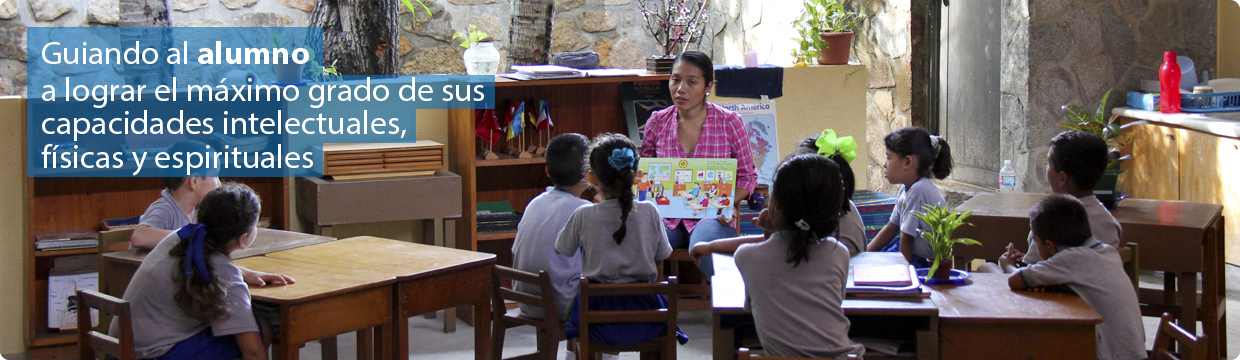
[(518, 121), (544, 117)]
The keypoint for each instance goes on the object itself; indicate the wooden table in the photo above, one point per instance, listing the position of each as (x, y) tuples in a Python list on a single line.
[(728, 305), (327, 301), (428, 278), (1177, 237), (123, 264), (987, 320)]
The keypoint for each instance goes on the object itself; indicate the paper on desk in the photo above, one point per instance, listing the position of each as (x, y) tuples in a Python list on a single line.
[(615, 72)]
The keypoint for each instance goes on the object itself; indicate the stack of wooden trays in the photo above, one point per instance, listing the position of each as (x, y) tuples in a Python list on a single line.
[(363, 161)]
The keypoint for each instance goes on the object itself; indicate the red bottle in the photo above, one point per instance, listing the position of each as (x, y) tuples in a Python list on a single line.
[(1169, 76)]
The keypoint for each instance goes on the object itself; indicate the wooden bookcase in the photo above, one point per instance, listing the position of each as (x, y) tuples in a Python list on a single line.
[(588, 106), (55, 204)]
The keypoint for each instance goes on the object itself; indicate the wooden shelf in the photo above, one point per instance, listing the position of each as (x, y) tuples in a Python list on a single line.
[(83, 251), (46, 337), (509, 160), (497, 235), (501, 81)]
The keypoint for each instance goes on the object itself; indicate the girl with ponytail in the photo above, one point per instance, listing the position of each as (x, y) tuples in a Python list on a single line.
[(620, 240), (188, 299), (914, 157)]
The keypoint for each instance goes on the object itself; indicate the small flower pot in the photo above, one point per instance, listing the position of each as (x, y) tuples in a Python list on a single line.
[(288, 73), (838, 47), (660, 64), (944, 271)]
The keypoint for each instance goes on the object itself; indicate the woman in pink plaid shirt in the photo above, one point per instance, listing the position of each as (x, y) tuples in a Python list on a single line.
[(695, 128)]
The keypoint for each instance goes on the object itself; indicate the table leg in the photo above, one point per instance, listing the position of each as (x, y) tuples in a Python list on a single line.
[(482, 330), (328, 346), (1188, 301), (365, 344), (383, 342), (1213, 305), (401, 335), (723, 339)]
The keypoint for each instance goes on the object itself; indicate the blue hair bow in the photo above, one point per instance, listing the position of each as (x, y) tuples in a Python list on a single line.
[(621, 158), (194, 253)]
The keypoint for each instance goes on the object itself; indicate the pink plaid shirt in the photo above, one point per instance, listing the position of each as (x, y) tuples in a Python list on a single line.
[(723, 137)]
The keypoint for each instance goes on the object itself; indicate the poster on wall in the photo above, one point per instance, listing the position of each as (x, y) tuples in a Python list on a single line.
[(687, 188), (758, 118)]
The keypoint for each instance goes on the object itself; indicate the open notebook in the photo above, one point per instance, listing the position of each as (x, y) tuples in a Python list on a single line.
[(881, 281)]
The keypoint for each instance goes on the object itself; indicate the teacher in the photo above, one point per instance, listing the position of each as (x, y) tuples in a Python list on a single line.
[(695, 128)]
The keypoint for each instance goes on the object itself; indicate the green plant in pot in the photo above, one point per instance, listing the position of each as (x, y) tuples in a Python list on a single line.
[(825, 31), (1109, 129), (942, 222)]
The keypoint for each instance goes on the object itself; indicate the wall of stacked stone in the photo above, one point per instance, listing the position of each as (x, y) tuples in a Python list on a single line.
[(884, 44), (16, 15)]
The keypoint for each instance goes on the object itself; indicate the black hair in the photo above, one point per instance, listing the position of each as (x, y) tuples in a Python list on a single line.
[(566, 158), (1082, 155), (1061, 219), (810, 146), (228, 212), (701, 61), (932, 159), (172, 183), (618, 182), (807, 188)]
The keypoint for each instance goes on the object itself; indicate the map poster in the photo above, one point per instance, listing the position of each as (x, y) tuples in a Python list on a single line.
[(759, 120), (687, 188)]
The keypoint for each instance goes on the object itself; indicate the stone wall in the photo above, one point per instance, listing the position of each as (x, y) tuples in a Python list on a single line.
[(762, 26), (884, 43), (1074, 51), (16, 15)]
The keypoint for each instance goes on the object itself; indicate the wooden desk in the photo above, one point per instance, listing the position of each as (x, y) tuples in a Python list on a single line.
[(987, 320), (123, 264), (1178, 237), (728, 303), (428, 278), (327, 301)]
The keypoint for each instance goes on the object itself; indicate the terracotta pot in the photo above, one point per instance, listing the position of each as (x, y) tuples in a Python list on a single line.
[(944, 271), (838, 46)]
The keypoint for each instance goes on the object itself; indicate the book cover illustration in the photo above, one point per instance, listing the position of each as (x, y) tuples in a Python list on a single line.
[(759, 120), (62, 305), (687, 188), (640, 99)]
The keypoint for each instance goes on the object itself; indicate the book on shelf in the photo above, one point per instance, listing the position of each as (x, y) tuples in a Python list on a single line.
[(63, 240), (639, 100), (120, 223), (497, 216), (69, 274)]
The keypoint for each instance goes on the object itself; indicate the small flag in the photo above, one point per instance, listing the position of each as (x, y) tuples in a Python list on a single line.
[(544, 117), (517, 123), (488, 127)]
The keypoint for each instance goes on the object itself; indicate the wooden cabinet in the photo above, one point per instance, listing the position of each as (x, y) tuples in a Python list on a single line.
[(1177, 164), (588, 106), (55, 204)]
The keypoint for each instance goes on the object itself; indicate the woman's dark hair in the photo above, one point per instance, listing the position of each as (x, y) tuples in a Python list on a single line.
[(701, 61), (810, 146), (227, 213), (807, 192), (617, 182), (934, 157)]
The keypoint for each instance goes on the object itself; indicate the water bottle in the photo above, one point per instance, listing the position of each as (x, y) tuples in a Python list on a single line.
[(1169, 78), (1007, 177)]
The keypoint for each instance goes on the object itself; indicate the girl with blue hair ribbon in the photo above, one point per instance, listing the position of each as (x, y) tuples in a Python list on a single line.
[(188, 301)]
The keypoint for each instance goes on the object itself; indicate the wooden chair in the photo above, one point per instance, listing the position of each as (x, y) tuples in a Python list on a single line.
[(109, 241), (692, 296), (1168, 331), (89, 340), (550, 328), (743, 354), (1129, 255), (664, 346)]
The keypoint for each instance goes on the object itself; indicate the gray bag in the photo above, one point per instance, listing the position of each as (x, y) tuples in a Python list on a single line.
[(581, 60)]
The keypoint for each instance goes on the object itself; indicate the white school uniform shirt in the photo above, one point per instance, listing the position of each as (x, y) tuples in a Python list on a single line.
[(797, 310), (1094, 271), (534, 249), (912, 200), (590, 229), (852, 230), (1102, 225)]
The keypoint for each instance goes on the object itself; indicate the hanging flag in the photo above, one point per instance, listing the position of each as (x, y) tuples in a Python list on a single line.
[(544, 117), (488, 127), (518, 120)]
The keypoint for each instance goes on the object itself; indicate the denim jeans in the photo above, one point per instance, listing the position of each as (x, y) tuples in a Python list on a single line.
[(705, 231)]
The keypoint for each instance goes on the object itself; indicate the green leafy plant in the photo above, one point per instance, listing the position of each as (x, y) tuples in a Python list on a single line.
[(1108, 129), (409, 4), (821, 16), (942, 222), (472, 38), (322, 73)]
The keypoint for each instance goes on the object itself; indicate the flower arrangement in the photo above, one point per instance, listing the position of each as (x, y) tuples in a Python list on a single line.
[(676, 24)]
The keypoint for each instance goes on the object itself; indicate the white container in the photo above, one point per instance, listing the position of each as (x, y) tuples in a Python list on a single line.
[(482, 59), (751, 59), (1007, 177), (1188, 73)]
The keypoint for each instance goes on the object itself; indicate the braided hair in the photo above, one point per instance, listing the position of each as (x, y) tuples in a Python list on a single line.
[(613, 159)]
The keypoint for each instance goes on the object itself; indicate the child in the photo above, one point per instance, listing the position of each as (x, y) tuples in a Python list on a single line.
[(176, 208), (794, 281), (852, 229), (534, 248), (913, 156), (1092, 269), (187, 299), (620, 240)]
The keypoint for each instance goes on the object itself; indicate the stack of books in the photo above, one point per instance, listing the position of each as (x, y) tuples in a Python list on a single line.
[(884, 282), (543, 72), (497, 216), (66, 240)]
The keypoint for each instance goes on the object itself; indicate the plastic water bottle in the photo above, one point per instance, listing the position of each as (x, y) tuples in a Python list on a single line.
[(1007, 177)]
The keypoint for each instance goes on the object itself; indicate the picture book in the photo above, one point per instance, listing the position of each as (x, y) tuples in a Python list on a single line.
[(687, 188)]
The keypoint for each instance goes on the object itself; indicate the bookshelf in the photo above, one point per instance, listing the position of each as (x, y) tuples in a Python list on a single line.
[(57, 204), (588, 106)]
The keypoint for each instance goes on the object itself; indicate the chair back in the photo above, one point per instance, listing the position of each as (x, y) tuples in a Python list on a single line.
[(1168, 331), (1129, 255), (91, 341), (550, 328), (664, 345)]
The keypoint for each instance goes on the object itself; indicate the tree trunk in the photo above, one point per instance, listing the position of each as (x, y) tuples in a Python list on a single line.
[(146, 14), (359, 35)]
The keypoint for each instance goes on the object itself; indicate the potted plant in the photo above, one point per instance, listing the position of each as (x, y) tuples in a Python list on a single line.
[(674, 25), (942, 222), (290, 72), (1109, 129), (481, 56), (826, 32)]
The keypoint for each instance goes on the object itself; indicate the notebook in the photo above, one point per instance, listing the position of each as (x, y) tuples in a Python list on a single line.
[(890, 275)]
